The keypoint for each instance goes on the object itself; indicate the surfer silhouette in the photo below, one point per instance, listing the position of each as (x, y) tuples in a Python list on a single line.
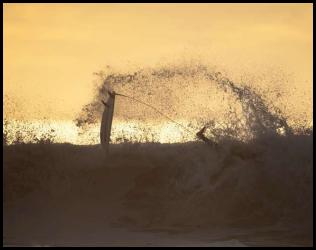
[(202, 137)]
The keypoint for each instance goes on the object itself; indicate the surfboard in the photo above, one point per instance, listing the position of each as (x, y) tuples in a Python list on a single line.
[(106, 122)]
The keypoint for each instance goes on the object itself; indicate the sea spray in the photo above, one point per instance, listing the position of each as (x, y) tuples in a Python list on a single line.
[(261, 176), (193, 95), (196, 93)]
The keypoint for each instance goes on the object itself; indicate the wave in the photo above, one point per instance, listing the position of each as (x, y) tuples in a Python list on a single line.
[(192, 95), (262, 182), (198, 94), (267, 180), (260, 174)]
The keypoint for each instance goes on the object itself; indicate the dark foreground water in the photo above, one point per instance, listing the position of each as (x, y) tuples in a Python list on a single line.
[(240, 194)]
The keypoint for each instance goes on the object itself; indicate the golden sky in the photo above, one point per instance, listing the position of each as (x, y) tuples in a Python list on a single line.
[(51, 50)]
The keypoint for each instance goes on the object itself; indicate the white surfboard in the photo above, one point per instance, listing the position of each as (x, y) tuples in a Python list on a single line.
[(106, 122)]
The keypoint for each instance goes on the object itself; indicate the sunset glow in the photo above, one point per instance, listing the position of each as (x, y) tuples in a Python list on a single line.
[(52, 50), (158, 124)]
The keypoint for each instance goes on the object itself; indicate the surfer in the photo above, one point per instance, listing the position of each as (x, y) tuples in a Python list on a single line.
[(202, 137)]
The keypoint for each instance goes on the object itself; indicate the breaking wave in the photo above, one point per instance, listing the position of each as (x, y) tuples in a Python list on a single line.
[(196, 96), (260, 174), (192, 95)]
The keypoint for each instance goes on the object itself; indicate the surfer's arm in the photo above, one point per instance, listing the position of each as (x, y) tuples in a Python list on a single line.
[(201, 132), (202, 137)]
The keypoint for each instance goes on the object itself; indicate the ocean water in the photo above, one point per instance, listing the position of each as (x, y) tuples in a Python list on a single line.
[(160, 185)]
